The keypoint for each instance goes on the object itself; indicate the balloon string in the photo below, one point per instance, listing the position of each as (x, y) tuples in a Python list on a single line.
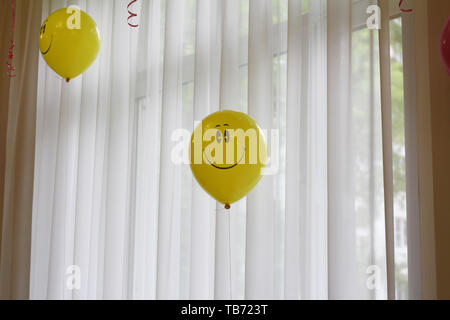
[(403, 10), (9, 62), (131, 14), (229, 256), (230, 285)]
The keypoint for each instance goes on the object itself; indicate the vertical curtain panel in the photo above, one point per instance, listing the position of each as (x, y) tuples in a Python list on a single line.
[(17, 144)]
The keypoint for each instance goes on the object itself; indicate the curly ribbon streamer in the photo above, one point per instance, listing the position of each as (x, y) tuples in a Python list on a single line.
[(403, 10), (11, 68), (131, 15)]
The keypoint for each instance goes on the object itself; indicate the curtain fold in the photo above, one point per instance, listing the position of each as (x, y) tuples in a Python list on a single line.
[(306, 156), (114, 198), (293, 263), (342, 278), (259, 248), (169, 211), (146, 168)]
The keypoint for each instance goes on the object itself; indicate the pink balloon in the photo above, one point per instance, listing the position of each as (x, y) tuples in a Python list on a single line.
[(445, 46)]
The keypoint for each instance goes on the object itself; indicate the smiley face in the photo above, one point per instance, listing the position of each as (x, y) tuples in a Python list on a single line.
[(223, 138), (228, 152), (45, 39)]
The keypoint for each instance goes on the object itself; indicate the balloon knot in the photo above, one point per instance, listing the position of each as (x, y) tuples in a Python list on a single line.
[(227, 206), (67, 80)]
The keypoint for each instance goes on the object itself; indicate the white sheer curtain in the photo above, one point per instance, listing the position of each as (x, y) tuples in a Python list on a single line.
[(108, 198)]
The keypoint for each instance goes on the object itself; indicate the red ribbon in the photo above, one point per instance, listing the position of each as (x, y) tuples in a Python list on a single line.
[(131, 15), (403, 10), (9, 62)]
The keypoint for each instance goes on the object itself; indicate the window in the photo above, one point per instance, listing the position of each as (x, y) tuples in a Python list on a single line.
[(398, 147), (369, 204), (317, 229)]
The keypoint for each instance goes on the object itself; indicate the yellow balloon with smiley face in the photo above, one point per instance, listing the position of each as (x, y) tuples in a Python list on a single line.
[(227, 155), (69, 41)]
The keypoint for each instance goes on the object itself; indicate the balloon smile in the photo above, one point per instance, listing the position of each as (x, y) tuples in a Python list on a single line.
[(224, 168), (51, 41)]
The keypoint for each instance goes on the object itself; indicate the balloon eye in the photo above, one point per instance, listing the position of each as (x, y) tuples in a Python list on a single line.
[(43, 29), (218, 137), (227, 136)]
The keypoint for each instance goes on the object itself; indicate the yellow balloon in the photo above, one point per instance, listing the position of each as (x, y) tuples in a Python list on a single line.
[(228, 153), (69, 41)]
